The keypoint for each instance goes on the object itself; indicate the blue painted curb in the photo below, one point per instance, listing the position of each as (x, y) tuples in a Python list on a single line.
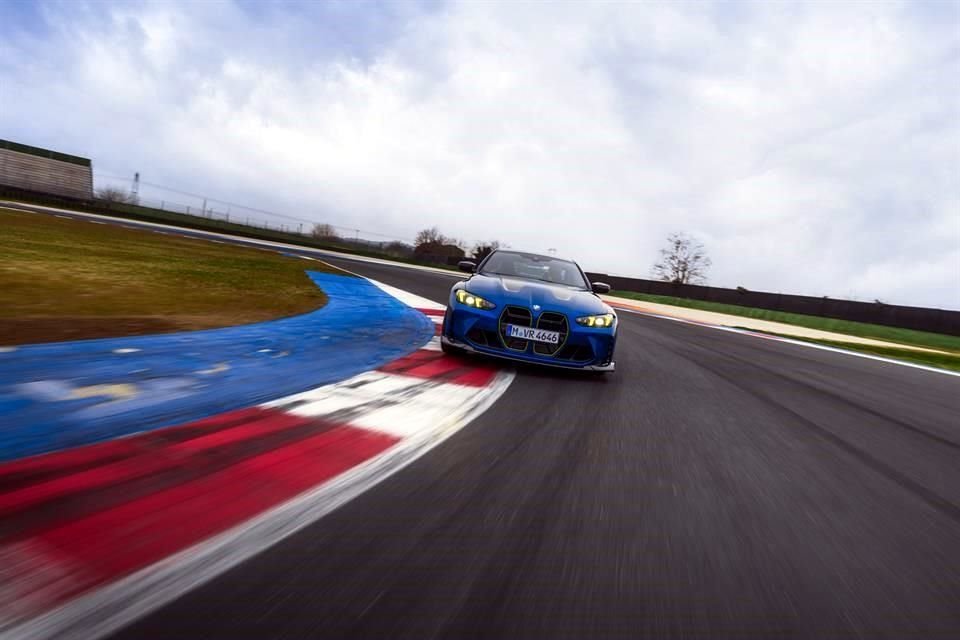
[(61, 395)]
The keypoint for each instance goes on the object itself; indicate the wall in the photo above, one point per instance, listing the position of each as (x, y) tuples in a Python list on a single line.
[(45, 171)]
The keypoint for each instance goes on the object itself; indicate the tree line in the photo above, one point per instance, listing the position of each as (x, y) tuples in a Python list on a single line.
[(684, 260)]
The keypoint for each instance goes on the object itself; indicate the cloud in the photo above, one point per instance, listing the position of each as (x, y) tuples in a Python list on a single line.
[(814, 148)]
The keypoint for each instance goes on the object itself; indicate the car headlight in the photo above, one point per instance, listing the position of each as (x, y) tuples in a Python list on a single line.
[(467, 298), (601, 321)]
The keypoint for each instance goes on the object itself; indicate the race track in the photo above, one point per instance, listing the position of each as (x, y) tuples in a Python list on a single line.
[(717, 485)]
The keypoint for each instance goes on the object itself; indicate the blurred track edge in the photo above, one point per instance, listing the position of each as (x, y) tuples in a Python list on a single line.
[(96, 536)]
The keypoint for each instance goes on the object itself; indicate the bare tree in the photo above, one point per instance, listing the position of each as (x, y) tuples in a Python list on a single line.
[(429, 236), (324, 232), (483, 249), (114, 194), (397, 248), (683, 261)]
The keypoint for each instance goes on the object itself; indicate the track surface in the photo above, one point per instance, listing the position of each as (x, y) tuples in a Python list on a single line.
[(717, 484)]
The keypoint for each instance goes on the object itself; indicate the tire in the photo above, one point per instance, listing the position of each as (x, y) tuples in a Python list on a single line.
[(450, 349), (446, 318)]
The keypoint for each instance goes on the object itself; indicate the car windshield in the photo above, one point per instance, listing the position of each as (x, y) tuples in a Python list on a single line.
[(534, 267)]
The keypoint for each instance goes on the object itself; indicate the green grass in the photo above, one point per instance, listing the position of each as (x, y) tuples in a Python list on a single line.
[(62, 278), (864, 330), (159, 216)]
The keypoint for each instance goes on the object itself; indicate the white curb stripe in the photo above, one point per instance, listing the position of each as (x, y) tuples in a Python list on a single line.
[(410, 299)]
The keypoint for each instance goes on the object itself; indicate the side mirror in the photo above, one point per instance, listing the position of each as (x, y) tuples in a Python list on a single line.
[(469, 267), (600, 287)]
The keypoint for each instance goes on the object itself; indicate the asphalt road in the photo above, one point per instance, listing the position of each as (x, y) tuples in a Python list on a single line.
[(717, 485)]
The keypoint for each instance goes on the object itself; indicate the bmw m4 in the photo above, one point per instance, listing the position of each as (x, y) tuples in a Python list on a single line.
[(533, 308)]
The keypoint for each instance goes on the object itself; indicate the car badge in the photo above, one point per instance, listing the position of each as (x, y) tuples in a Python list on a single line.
[(536, 307)]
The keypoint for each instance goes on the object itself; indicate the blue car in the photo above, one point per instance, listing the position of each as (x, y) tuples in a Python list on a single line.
[(532, 308)]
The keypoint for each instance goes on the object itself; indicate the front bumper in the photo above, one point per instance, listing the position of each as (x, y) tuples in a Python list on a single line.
[(479, 331), (611, 366)]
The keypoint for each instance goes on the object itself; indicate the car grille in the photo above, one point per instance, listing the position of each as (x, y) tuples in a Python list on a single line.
[(520, 317), (551, 321)]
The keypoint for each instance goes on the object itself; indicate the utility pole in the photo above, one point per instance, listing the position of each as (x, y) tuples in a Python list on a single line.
[(135, 188)]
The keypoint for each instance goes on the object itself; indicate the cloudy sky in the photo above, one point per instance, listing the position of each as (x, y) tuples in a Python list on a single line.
[(813, 148)]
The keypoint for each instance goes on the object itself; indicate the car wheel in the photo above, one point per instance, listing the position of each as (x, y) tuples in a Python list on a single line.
[(449, 349)]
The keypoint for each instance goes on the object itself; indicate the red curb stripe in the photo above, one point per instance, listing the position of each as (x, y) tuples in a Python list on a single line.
[(69, 461), (437, 368), (27, 523), (432, 312), (149, 461), (417, 357), (107, 545), (58, 460), (442, 367), (264, 422), (475, 377)]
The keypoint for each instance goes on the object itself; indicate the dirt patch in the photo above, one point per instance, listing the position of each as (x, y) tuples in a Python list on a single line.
[(15, 331)]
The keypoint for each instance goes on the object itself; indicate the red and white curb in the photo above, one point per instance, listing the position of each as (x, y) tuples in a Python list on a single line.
[(95, 537)]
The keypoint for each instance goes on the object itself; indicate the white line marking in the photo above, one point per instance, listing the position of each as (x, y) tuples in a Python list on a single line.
[(64, 217), (438, 406), (402, 406), (126, 350), (822, 347), (409, 299), (349, 393)]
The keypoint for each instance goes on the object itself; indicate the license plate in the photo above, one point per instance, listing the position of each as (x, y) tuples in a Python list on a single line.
[(529, 333)]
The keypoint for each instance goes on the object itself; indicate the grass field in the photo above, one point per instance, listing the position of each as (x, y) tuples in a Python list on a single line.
[(63, 279), (879, 332), (189, 221)]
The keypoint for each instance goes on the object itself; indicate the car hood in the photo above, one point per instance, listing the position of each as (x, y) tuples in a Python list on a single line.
[(503, 290)]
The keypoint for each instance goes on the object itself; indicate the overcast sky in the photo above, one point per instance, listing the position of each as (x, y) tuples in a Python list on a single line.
[(813, 148)]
